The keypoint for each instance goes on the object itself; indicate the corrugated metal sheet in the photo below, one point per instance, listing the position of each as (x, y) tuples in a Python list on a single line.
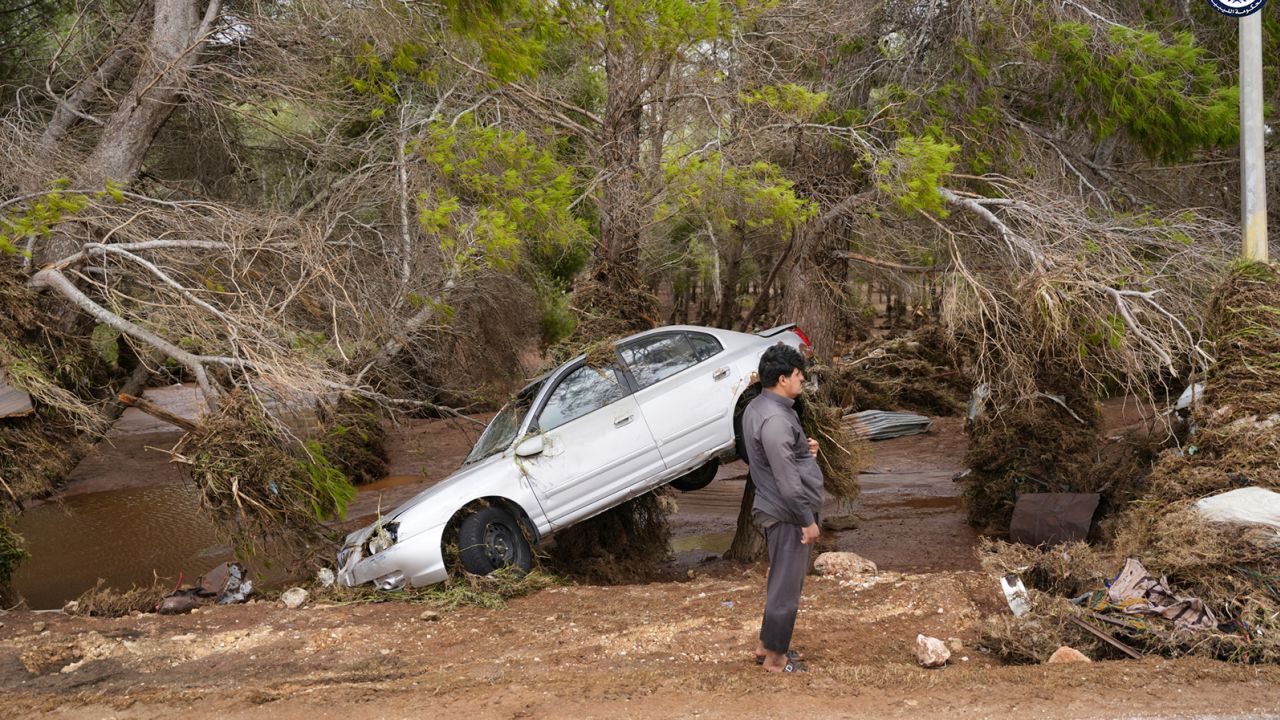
[(883, 425)]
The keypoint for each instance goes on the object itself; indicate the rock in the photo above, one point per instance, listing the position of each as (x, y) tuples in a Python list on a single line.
[(324, 577), (836, 523), (1066, 654), (294, 598), (71, 608), (38, 627), (429, 616), (931, 652), (955, 645), (843, 563)]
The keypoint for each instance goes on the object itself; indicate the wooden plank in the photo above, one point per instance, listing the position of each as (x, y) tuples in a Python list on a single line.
[(1108, 639), (13, 402)]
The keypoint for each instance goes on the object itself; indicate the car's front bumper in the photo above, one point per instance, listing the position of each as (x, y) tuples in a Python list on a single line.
[(416, 561)]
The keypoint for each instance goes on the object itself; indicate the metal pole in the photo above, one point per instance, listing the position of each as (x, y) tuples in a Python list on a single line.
[(1253, 193)]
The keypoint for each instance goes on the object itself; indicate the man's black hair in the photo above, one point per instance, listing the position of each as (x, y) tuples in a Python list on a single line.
[(779, 361)]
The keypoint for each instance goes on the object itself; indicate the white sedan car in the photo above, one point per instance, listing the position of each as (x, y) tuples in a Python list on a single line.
[(574, 443)]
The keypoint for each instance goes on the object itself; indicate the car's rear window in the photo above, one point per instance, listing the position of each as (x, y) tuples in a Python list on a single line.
[(659, 357), (704, 345)]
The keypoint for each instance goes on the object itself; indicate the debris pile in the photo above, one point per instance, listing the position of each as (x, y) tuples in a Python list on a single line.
[(1181, 575), (914, 372)]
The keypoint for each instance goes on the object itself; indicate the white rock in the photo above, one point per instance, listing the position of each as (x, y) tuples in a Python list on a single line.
[(294, 598), (843, 563), (931, 652), (38, 627), (324, 577), (429, 616), (1066, 654)]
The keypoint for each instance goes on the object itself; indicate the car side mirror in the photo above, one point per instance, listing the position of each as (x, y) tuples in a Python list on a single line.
[(530, 446)]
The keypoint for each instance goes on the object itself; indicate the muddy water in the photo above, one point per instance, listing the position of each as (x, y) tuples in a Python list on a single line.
[(124, 536)]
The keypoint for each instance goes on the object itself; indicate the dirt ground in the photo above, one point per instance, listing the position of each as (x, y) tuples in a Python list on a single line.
[(679, 648)]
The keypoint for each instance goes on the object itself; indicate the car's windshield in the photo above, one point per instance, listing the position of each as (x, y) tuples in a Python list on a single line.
[(502, 429)]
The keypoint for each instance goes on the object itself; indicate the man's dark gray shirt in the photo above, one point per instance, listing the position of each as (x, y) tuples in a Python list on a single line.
[(786, 475)]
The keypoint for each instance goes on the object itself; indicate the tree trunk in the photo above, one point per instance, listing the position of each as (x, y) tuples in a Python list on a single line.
[(748, 542), (178, 35), (729, 282), (621, 216)]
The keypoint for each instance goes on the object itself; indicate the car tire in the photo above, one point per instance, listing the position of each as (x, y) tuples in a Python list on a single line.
[(490, 539), (697, 479)]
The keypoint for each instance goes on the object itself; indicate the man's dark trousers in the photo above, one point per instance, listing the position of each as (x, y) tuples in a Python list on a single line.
[(788, 563)]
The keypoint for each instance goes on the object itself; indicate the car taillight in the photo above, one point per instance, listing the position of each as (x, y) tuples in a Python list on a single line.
[(803, 338)]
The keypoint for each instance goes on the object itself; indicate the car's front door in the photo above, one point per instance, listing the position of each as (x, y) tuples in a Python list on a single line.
[(595, 445), (685, 394)]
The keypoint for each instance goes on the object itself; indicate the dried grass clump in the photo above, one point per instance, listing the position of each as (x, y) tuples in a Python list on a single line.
[(12, 552), (627, 543), (1034, 637), (1066, 570), (840, 455), (461, 590), (262, 488), (605, 313), (102, 601), (916, 372)]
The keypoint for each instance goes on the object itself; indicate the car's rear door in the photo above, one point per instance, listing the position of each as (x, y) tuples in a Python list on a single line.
[(595, 445), (686, 391)]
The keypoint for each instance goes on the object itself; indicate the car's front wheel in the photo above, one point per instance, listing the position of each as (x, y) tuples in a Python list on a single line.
[(490, 539), (697, 479)]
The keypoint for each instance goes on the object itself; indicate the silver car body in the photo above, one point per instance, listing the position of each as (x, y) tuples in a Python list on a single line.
[(588, 464)]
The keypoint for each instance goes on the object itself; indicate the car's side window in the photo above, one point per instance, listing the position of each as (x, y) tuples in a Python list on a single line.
[(582, 391), (660, 357), (704, 345)]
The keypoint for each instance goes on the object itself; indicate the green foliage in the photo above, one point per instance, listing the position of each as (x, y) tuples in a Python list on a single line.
[(11, 553), (1166, 95), (789, 99), (37, 218), (331, 491), (914, 174), (499, 199), (105, 341), (755, 196)]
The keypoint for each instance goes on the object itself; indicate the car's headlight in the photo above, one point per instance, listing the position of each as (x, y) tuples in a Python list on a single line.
[(383, 537)]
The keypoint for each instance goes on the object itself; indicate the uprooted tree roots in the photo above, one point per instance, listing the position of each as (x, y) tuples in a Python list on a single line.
[(1234, 569), (627, 543)]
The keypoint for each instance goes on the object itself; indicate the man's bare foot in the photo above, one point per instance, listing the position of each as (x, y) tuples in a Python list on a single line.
[(780, 663)]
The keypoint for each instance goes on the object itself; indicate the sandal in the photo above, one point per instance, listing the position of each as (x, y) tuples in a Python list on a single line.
[(794, 666), (792, 655)]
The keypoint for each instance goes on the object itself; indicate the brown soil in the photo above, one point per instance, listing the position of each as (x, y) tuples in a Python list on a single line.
[(679, 648)]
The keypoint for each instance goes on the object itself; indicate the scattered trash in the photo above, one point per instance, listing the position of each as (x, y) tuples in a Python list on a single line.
[(1015, 593), (728, 604), (226, 584), (294, 598), (324, 577), (1066, 654), (839, 564), (1135, 591), (1246, 506), (1052, 518), (977, 403), (931, 652), (180, 602), (884, 425), (1193, 395)]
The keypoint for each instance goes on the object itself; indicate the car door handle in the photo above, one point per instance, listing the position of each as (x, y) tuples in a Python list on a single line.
[(619, 422), (720, 374)]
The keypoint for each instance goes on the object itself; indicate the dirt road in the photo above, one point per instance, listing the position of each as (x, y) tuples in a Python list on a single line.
[(658, 650)]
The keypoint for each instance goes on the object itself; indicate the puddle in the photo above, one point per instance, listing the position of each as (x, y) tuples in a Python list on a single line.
[(716, 543), (122, 536), (392, 482)]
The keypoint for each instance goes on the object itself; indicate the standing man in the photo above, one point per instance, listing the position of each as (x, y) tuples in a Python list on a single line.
[(788, 482)]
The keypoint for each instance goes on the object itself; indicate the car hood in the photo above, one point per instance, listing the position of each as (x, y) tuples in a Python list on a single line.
[(435, 505)]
